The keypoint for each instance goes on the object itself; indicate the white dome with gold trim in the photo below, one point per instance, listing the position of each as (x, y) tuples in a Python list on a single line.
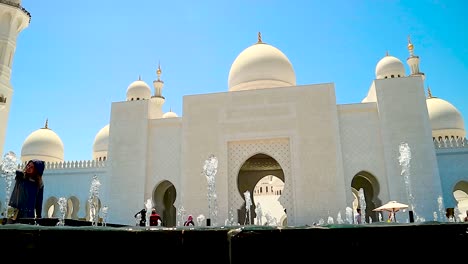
[(138, 90), (389, 67), (43, 144), (261, 66)]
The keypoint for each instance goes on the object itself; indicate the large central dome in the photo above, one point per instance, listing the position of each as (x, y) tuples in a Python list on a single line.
[(261, 66)]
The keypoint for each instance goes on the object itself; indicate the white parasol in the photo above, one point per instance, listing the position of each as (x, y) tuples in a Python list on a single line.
[(392, 207)]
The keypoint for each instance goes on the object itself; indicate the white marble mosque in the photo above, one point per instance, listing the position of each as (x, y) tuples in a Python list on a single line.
[(264, 126)]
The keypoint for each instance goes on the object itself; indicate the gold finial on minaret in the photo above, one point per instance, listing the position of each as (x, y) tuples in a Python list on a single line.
[(46, 123), (410, 45), (429, 94), (158, 71), (259, 37)]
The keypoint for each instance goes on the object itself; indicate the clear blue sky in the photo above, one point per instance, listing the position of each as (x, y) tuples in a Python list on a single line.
[(77, 57)]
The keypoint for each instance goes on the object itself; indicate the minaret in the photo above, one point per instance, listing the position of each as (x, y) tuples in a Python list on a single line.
[(157, 99), (13, 19), (413, 61)]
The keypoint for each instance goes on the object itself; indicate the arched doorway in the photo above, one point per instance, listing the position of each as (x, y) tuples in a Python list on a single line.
[(164, 196), (266, 200), (460, 194), (371, 190), (254, 180)]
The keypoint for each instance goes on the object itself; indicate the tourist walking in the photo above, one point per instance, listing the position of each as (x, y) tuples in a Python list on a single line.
[(28, 191)]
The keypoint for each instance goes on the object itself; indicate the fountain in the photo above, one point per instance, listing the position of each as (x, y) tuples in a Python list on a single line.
[(149, 207), (339, 219), (248, 204), (440, 202), (270, 220), (349, 215), (404, 159), (8, 167), (362, 204), (210, 168), (104, 210), (180, 216), (457, 214), (93, 200), (62, 202), (230, 221), (259, 213), (200, 220)]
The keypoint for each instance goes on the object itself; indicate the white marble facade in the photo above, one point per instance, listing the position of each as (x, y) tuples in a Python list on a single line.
[(265, 124)]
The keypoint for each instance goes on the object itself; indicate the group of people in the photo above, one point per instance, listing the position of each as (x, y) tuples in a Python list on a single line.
[(154, 219)]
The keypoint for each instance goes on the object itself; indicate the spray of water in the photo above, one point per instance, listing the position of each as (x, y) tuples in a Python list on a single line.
[(210, 168), (93, 200), (8, 169), (440, 202), (248, 204), (62, 202), (105, 210), (349, 215), (362, 203), (149, 207), (259, 213), (404, 160)]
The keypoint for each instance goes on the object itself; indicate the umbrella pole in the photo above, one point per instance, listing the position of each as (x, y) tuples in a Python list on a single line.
[(394, 215)]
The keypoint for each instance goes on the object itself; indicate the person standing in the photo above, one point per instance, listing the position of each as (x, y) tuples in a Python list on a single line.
[(142, 215), (466, 217), (189, 221), (155, 218), (28, 191)]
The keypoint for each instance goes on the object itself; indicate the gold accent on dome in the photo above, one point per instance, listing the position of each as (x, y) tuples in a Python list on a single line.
[(429, 94), (46, 126), (387, 54), (139, 77), (259, 37)]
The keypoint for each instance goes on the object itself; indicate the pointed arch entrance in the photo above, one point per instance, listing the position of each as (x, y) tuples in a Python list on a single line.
[(164, 196), (371, 189), (254, 177), (248, 163), (460, 194)]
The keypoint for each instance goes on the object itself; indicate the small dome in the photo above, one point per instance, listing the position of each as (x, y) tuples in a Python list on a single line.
[(261, 66), (446, 120), (389, 67), (101, 144), (138, 90), (169, 114), (43, 144)]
